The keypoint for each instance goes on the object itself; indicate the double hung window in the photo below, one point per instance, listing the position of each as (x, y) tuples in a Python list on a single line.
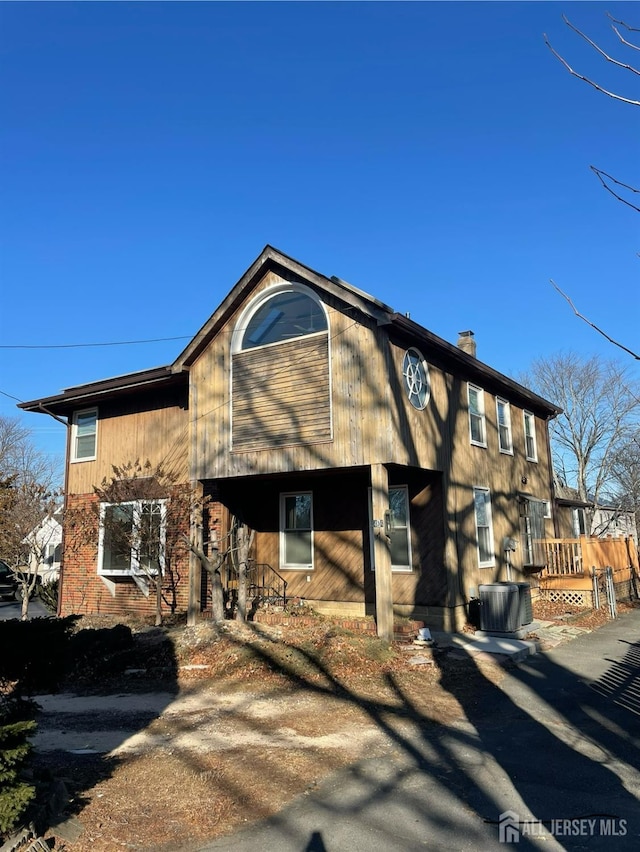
[(531, 449), (84, 433), (484, 527), (477, 426), (503, 414), (296, 530)]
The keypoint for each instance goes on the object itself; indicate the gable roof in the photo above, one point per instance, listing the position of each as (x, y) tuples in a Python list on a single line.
[(271, 259)]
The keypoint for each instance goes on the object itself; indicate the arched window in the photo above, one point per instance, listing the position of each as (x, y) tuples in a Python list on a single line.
[(280, 377), (285, 315)]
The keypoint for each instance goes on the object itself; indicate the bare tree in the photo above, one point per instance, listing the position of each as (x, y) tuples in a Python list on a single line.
[(147, 517), (27, 497), (625, 472), (610, 183), (244, 540), (601, 411), (593, 325)]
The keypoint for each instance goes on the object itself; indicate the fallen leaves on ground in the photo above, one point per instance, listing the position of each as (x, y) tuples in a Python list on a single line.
[(328, 682)]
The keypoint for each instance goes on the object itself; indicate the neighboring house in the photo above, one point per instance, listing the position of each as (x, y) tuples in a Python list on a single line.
[(45, 545), (573, 515), (383, 469), (611, 520), (576, 517)]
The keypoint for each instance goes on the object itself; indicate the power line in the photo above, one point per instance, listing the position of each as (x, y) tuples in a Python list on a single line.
[(85, 345), (4, 393)]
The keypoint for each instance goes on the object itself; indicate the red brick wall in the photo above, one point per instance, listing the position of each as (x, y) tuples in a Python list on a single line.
[(82, 591)]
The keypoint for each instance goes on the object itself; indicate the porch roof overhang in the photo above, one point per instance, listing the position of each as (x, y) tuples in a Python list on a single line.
[(62, 404), (574, 504)]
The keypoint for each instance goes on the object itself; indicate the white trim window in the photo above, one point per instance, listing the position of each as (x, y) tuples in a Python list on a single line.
[(531, 447), (132, 538), (477, 424), (578, 521), (503, 416), (415, 377), (296, 530), (84, 435), (484, 527), (279, 314)]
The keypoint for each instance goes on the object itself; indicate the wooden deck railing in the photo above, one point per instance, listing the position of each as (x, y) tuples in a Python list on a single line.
[(577, 555), (563, 556)]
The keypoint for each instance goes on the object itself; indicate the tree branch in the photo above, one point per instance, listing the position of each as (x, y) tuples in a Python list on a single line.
[(622, 24), (587, 80), (597, 48), (599, 330), (599, 174), (624, 40)]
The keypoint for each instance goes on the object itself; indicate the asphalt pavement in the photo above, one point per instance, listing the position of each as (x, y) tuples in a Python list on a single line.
[(549, 759), (13, 609)]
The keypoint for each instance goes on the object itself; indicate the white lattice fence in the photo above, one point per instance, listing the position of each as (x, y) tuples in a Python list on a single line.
[(571, 597)]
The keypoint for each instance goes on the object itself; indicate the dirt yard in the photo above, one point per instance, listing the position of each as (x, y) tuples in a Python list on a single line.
[(199, 731)]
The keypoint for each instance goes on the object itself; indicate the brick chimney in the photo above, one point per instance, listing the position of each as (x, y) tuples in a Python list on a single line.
[(467, 343)]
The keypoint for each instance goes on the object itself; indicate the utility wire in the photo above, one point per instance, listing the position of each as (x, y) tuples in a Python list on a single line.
[(17, 399), (85, 345)]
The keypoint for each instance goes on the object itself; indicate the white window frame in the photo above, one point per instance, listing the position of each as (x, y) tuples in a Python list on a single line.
[(579, 519), (415, 378), (480, 415), (241, 326), (135, 567), (74, 435), (504, 406), (294, 566), (484, 563), (529, 418), (261, 299)]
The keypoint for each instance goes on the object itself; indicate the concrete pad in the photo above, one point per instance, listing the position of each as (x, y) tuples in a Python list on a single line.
[(512, 649)]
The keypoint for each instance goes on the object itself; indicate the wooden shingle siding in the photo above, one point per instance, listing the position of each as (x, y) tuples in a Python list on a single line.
[(281, 394)]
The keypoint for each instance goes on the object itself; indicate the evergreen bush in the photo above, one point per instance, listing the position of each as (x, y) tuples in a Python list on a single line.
[(15, 792)]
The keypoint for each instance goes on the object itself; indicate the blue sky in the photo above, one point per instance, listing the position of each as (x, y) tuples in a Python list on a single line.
[(433, 154)]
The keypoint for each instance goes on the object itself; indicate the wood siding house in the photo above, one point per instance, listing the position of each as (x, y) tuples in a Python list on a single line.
[(383, 469)]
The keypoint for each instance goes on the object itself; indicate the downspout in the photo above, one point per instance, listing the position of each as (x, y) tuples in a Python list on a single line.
[(65, 423)]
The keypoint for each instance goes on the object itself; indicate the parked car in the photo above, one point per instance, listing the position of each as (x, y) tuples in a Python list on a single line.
[(8, 582)]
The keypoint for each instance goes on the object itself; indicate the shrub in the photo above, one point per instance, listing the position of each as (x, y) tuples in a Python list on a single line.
[(49, 595), (15, 793), (35, 655)]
